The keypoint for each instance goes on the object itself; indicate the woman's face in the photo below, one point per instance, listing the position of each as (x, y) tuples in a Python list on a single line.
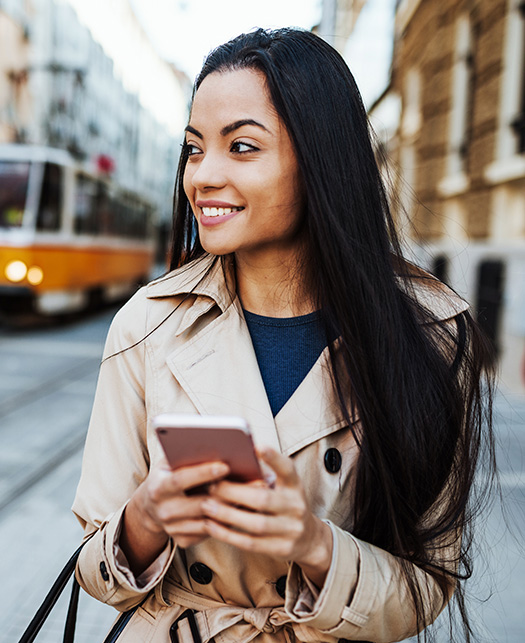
[(242, 178)]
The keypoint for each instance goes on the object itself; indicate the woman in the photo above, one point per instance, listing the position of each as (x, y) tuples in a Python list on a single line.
[(288, 304)]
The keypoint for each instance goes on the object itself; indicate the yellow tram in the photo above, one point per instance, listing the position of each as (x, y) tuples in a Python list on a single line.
[(68, 238)]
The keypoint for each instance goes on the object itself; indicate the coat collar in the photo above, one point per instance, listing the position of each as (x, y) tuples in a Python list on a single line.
[(218, 369), (213, 278), (209, 281), (208, 276)]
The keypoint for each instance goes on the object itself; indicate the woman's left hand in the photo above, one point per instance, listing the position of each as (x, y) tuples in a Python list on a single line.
[(273, 521)]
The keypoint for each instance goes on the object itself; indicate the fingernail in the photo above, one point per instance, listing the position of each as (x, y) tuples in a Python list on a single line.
[(270, 479), (220, 469)]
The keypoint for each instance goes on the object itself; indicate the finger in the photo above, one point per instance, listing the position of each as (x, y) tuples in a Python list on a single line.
[(188, 533), (258, 524), (180, 508), (180, 480), (255, 497), (281, 464), (275, 547), (192, 528), (190, 541)]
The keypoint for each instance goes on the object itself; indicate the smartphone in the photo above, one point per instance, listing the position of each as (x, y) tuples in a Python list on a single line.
[(195, 439)]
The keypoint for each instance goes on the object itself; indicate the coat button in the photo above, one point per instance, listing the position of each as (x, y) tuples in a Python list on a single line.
[(332, 460), (104, 571), (280, 586), (201, 573)]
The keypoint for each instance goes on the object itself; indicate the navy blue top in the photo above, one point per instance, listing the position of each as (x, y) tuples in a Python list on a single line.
[(286, 349)]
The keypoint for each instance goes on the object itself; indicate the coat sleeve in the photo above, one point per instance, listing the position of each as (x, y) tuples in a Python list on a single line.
[(115, 461), (364, 596)]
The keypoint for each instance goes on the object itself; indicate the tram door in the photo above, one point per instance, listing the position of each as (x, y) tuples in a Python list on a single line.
[(491, 280)]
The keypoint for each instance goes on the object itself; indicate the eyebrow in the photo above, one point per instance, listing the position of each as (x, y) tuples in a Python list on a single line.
[(228, 129)]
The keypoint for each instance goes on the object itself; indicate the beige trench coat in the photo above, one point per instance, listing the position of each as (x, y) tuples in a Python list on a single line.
[(193, 353)]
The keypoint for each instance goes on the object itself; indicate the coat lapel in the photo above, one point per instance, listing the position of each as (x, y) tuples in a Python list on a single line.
[(312, 412), (218, 371)]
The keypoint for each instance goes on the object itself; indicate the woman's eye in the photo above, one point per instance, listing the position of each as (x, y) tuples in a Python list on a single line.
[(239, 147), (191, 150)]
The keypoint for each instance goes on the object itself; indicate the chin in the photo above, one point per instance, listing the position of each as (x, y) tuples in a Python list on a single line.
[(218, 249)]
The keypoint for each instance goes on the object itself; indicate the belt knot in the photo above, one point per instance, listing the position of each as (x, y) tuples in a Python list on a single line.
[(259, 617)]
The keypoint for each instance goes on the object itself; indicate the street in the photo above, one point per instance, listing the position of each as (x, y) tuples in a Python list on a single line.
[(47, 384)]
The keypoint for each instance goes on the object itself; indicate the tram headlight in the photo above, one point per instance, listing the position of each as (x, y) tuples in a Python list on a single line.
[(15, 271), (35, 275)]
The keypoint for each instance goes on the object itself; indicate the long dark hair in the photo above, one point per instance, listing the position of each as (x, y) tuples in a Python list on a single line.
[(413, 381)]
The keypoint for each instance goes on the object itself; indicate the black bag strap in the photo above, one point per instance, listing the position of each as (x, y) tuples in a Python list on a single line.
[(71, 618), (51, 599)]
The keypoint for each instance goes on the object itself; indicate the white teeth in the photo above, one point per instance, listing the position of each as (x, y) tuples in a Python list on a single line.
[(218, 212)]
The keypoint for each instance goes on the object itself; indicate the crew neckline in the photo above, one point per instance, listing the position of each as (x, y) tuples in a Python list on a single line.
[(264, 320)]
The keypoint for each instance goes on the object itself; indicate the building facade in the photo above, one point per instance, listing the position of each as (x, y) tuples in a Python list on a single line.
[(105, 96), (15, 98), (452, 122)]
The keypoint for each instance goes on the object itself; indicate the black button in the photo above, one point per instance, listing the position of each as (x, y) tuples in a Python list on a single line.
[(201, 573), (104, 571), (332, 460), (280, 586)]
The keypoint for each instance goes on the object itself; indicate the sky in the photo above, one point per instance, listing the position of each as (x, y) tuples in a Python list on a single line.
[(369, 51), (185, 31)]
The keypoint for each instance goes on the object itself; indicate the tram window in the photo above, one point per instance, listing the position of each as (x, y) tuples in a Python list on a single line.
[(48, 218), (103, 210), (85, 211), (14, 177), (122, 225), (132, 218), (136, 221)]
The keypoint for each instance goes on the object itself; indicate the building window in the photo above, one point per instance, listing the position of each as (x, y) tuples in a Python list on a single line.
[(512, 101), (439, 268), (489, 298), (411, 121), (455, 180), (518, 125), (462, 79)]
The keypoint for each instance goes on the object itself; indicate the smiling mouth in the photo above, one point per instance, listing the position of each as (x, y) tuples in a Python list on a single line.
[(219, 212)]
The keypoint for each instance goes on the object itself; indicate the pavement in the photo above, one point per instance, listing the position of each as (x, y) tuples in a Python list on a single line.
[(47, 383)]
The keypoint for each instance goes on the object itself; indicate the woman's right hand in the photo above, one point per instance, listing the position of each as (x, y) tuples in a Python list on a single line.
[(160, 509)]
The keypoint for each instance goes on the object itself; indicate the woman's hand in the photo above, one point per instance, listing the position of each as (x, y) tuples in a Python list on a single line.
[(273, 521), (160, 509)]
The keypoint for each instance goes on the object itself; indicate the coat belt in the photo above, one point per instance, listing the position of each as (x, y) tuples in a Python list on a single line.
[(236, 624)]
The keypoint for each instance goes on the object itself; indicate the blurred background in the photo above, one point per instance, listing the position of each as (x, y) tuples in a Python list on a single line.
[(94, 96)]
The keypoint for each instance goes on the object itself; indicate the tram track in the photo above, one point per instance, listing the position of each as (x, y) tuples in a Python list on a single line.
[(46, 393), (40, 472), (38, 468), (52, 385)]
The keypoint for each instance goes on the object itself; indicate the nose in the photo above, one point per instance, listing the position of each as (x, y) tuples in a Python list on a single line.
[(208, 173)]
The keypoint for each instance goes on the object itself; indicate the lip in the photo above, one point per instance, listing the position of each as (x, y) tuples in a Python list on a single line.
[(212, 203), (215, 204)]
